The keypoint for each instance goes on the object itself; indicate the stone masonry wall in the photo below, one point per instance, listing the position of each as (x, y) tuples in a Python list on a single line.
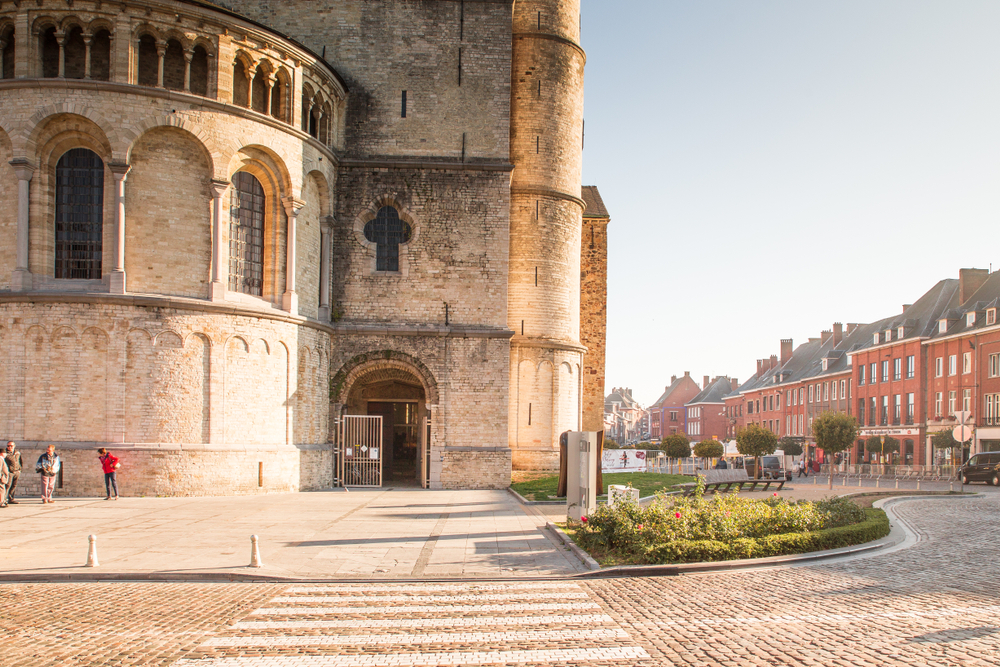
[(594, 318), (179, 392)]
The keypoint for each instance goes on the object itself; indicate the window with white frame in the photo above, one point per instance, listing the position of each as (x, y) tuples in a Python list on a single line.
[(937, 404), (833, 390), (910, 367), (943, 326), (952, 402), (861, 374), (843, 384), (810, 393), (994, 365), (952, 364), (788, 397), (788, 423), (897, 369), (991, 410), (938, 367), (897, 408), (873, 373), (909, 408), (875, 339), (899, 333), (991, 316), (885, 370), (970, 319), (826, 391), (802, 395), (967, 400), (966, 363), (802, 426)]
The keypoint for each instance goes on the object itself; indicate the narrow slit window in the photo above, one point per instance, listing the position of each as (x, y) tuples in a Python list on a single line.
[(403, 110)]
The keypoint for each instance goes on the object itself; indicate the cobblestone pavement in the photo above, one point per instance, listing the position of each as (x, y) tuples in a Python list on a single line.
[(934, 603)]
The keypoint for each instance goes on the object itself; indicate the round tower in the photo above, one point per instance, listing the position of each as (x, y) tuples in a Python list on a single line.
[(546, 217)]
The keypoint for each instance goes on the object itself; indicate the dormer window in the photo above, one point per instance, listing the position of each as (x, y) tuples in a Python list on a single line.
[(970, 319), (991, 316), (826, 364), (942, 326), (888, 335), (875, 340), (899, 333)]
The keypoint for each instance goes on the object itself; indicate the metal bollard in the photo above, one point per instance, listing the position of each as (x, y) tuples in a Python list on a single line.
[(859, 481), (845, 480), (92, 551), (255, 552), (918, 485), (951, 487), (814, 479), (897, 482), (877, 480)]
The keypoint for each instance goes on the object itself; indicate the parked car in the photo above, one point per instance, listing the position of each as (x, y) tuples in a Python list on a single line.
[(983, 467), (770, 468)]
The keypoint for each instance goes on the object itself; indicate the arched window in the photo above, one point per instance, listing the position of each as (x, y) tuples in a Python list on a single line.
[(49, 48), (241, 85), (258, 91), (278, 94), (149, 61), (100, 56), (387, 231), (79, 215), (75, 53), (174, 66), (246, 235), (7, 53), (199, 71)]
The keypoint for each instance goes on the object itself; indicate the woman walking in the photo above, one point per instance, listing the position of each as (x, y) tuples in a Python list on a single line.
[(110, 464)]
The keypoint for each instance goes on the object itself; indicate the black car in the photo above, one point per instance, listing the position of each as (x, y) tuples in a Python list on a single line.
[(770, 468), (983, 467)]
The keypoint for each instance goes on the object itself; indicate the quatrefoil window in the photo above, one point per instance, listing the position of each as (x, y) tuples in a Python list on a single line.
[(387, 231)]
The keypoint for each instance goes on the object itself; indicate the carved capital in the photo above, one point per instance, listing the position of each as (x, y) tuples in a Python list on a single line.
[(218, 188), (23, 168), (293, 206)]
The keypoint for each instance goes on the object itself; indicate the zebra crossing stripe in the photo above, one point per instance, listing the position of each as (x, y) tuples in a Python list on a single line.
[(566, 595), (330, 588), (395, 609), (436, 638), (367, 623), (571, 656)]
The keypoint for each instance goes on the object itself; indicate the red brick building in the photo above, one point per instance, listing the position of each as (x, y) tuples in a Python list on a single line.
[(706, 413), (668, 414)]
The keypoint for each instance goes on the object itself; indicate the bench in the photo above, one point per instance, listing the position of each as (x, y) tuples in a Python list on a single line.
[(715, 480)]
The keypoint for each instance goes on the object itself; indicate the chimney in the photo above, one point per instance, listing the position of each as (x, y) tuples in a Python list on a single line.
[(773, 361), (687, 374), (786, 350), (706, 383), (825, 336), (760, 367), (734, 383), (906, 307), (838, 333), (970, 280), (851, 326)]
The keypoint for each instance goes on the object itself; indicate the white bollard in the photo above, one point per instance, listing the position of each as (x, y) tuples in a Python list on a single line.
[(918, 485), (877, 480), (897, 482), (845, 480), (859, 481), (92, 552), (951, 487), (254, 552)]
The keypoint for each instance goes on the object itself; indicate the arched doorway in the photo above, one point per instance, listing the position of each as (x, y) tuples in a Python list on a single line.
[(398, 396)]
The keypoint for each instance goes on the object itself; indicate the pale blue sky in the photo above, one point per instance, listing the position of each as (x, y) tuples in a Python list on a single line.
[(772, 167)]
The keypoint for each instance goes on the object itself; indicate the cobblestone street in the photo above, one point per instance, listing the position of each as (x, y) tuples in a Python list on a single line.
[(933, 603)]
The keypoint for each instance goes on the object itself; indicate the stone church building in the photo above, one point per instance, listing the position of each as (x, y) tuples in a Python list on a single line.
[(232, 228)]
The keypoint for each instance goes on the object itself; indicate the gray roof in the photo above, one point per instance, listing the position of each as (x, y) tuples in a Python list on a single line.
[(595, 205), (986, 297), (619, 396), (714, 392)]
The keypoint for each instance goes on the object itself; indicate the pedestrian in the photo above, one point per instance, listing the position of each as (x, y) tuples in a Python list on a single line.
[(803, 469), (48, 466), (110, 464), (4, 482), (12, 457), (797, 468)]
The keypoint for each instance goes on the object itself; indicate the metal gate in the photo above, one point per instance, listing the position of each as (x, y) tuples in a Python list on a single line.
[(359, 451)]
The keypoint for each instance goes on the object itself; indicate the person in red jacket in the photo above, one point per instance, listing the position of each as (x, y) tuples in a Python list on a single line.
[(110, 464)]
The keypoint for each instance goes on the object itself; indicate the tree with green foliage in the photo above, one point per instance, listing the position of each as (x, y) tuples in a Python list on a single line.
[(835, 432), (709, 449), (945, 440), (756, 441), (790, 446), (881, 445), (676, 446), (610, 443)]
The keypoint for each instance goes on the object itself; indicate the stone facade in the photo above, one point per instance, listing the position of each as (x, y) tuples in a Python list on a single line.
[(217, 333)]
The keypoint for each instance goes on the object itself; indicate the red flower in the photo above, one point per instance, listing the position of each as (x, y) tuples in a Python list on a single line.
[(639, 526), (583, 519), (677, 515), (775, 494)]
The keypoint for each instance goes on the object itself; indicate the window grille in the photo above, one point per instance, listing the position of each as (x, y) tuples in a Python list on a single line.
[(387, 231), (79, 215), (246, 235)]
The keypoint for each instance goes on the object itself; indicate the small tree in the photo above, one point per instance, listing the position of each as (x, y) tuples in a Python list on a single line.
[(945, 440), (790, 446), (709, 449), (610, 443), (882, 445), (756, 441), (676, 446), (834, 432)]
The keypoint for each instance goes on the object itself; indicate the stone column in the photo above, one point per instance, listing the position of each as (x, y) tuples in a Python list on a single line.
[(3, 45), (61, 40), (161, 51), (220, 249), (21, 278), (267, 93), (87, 40), (188, 57), (325, 268), (290, 299), (117, 281)]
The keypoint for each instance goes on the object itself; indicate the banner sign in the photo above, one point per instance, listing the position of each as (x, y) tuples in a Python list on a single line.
[(623, 460)]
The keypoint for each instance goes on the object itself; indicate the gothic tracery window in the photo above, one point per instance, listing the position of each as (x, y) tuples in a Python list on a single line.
[(79, 223), (387, 231), (246, 235)]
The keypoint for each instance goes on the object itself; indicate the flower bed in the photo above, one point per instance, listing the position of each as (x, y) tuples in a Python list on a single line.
[(725, 527)]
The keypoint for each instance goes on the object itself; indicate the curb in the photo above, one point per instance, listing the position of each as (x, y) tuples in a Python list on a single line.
[(586, 558)]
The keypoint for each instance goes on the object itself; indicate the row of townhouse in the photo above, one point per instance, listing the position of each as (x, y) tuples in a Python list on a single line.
[(624, 418), (906, 376), (685, 407)]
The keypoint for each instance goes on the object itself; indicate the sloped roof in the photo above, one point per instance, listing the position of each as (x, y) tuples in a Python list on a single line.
[(987, 296), (714, 392), (595, 205), (671, 395), (618, 396)]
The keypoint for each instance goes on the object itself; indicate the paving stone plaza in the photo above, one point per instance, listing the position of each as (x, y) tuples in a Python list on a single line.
[(932, 600)]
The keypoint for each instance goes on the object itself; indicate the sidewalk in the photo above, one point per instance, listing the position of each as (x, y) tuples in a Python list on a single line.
[(359, 534)]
